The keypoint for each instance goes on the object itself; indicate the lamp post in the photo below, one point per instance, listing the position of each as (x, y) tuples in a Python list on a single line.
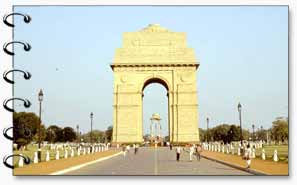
[(91, 136), (253, 126), (261, 134), (78, 138), (207, 122), (40, 98), (239, 111)]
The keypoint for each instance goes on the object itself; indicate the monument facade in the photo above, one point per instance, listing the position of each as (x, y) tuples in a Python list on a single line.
[(155, 55)]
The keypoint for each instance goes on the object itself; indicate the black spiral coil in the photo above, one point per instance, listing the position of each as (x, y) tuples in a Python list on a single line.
[(26, 103), (27, 75)]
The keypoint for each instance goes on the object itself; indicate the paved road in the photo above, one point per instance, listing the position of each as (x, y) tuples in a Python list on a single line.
[(161, 161)]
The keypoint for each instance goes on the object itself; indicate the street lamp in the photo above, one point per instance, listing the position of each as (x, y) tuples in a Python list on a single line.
[(239, 111), (78, 138), (261, 134), (91, 116), (207, 121), (253, 132), (40, 98)]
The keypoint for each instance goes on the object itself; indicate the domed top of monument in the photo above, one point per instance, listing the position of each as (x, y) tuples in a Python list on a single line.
[(154, 28), (155, 116)]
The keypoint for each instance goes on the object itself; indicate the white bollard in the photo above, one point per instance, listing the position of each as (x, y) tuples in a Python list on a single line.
[(238, 151), (93, 149), (89, 150), (78, 152), (219, 148), (21, 161), (263, 154), (72, 153), (253, 153), (35, 157), (84, 152), (47, 158), (227, 150), (223, 149), (275, 158), (57, 155), (96, 149), (66, 154)]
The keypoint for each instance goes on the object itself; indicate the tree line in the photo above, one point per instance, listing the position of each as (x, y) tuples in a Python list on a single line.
[(231, 132), (26, 130)]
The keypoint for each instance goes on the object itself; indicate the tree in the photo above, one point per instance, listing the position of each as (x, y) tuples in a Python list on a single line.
[(202, 134), (108, 134), (233, 133), (42, 134), (69, 134), (97, 135), (25, 127), (280, 130), (54, 134), (220, 132)]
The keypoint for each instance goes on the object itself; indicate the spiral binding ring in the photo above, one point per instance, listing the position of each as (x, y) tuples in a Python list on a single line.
[(5, 133), (27, 75), (27, 103), (27, 47), (26, 160), (27, 19), (27, 132)]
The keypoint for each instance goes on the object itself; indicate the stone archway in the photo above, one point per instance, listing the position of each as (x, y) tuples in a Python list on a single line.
[(155, 54)]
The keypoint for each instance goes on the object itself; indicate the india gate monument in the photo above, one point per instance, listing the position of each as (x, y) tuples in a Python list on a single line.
[(155, 55)]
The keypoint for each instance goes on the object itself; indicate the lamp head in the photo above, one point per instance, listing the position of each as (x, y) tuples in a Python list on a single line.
[(40, 95), (239, 107)]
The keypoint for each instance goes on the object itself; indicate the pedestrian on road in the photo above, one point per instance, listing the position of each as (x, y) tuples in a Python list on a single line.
[(178, 152), (128, 148), (124, 149), (136, 149), (248, 156), (170, 146), (191, 152), (198, 152)]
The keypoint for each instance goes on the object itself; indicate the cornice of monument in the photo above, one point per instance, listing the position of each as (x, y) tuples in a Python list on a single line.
[(135, 65)]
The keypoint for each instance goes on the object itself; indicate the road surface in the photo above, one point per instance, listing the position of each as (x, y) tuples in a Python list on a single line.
[(160, 161)]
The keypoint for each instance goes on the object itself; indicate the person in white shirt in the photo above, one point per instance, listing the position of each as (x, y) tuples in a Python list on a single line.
[(248, 156), (178, 152), (191, 152)]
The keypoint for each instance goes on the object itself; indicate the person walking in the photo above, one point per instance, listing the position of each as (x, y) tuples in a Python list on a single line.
[(191, 152), (178, 152), (170, 146), (124, 150), (198, 152), (128, 148), (136, 149), (248, 156)]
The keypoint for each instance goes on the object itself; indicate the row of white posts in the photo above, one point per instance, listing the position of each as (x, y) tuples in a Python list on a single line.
[(80, 151), (229, 148)]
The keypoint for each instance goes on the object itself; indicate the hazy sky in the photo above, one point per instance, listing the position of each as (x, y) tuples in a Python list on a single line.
[(242, 50)]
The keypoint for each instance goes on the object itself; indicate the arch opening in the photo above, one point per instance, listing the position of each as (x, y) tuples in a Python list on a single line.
[(154, 102)]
